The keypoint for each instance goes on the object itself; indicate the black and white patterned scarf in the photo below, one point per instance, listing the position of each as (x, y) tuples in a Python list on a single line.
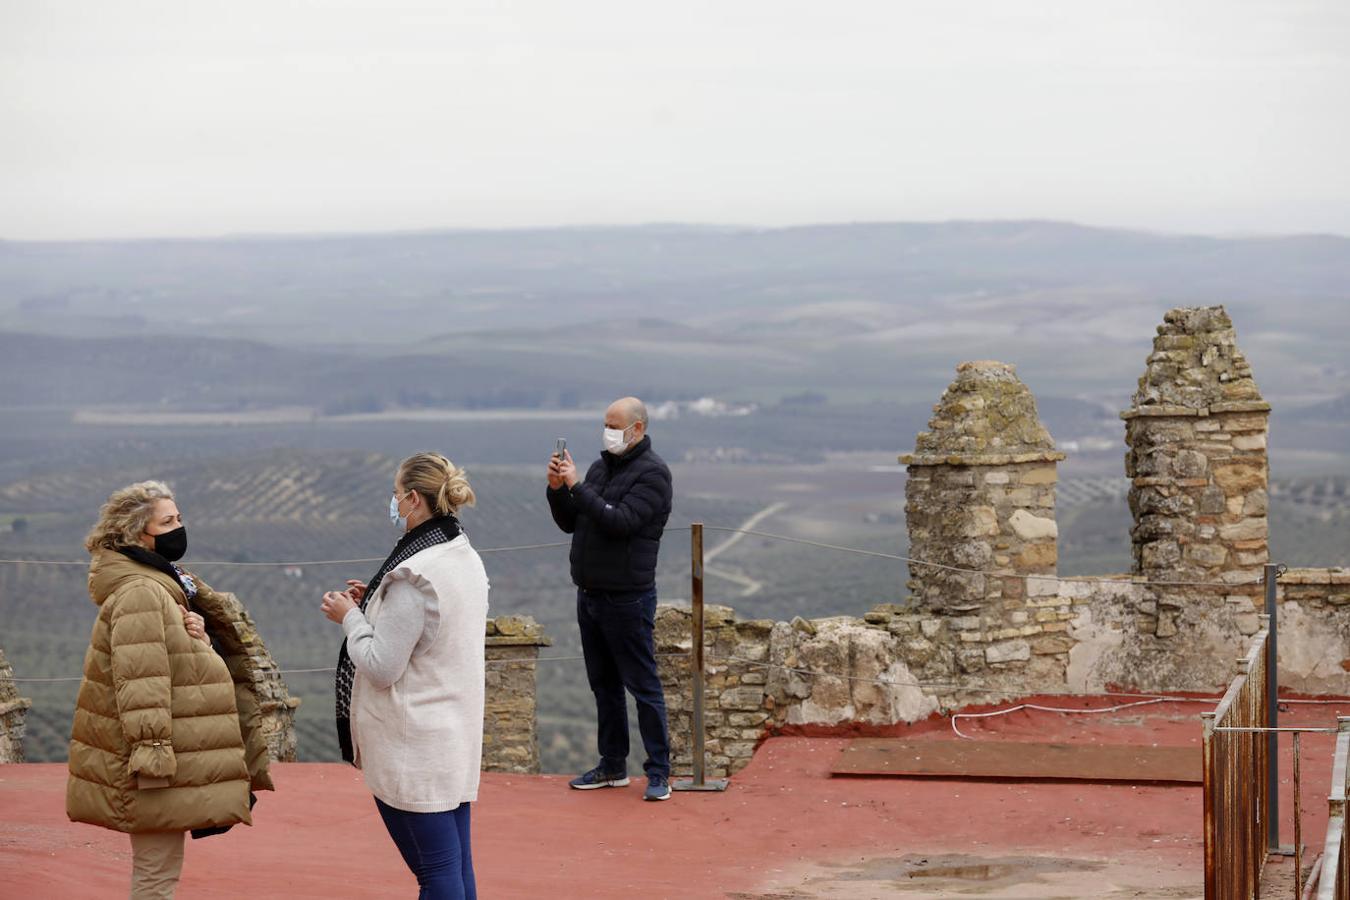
[(438, 530)]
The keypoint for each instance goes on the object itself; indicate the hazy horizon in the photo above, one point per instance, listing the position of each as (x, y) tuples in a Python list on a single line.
[(434, 230)]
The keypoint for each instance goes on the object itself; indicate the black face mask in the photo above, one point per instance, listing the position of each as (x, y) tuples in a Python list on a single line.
[(172, 544)]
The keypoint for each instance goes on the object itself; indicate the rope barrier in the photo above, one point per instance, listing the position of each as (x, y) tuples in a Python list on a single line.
[(943, 566), (725, 529), (317, 669), (303, 562), (1227, 585)]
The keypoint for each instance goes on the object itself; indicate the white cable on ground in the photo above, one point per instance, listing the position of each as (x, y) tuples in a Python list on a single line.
[(1069, 710)]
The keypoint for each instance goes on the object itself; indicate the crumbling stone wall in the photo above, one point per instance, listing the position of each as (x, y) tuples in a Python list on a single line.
[(991, 621), (13, 709), (1313, 613), (510, 720), (760, 677)]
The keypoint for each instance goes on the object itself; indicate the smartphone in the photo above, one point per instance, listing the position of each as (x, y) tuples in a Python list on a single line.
[(560, 447)]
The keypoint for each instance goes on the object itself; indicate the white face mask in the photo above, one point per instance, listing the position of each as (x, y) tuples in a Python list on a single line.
[(613, 440), (398, 521)]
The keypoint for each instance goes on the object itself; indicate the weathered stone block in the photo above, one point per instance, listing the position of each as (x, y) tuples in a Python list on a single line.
[(1030, 527), (747, 720), (511, 626), (970, 660), (1240, 477), (980, 521), (1008, 651), (1038, 556), (749, 697), (1189, 464), (1040, 475), (1212, 501), (1249, 529), (1207, 554), (1052, 644), (1161, 554)]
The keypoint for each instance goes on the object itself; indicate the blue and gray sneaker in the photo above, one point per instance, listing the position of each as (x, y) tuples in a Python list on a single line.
[(598, 778), (658, 788)]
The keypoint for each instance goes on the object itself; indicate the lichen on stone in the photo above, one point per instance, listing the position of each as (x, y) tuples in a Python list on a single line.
[(986, 412)]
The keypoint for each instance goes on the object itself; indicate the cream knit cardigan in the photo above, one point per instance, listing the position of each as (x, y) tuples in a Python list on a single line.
[(417, 699)]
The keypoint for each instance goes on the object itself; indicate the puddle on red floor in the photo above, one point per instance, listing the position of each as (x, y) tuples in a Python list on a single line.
[(961, 875)]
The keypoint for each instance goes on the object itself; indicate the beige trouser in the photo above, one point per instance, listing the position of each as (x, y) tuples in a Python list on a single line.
[(156, 862)]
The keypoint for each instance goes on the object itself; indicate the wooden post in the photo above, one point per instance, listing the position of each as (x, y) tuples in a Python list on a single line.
[(699, 740)]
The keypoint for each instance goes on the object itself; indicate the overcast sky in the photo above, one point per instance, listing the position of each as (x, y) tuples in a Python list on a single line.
[(127, 118)]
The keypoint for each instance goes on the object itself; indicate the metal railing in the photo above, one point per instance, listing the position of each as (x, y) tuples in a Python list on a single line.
[(1335, 877), (1235, 784)]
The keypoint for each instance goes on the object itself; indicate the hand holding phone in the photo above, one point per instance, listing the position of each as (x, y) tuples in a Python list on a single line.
[(555, 479)]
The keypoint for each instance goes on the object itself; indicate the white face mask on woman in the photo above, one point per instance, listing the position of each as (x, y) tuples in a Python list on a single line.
[(399, 521), (613, 440)]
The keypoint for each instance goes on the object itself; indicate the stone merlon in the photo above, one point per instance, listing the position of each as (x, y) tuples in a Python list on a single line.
[(1196, 368), (987, 416)]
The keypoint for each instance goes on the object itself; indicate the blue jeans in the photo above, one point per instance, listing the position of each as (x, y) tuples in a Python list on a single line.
[(617, 640), (436, 848)]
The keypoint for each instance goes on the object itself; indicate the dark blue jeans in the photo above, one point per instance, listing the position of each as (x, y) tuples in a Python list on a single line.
[(436, 848), (617, 639)]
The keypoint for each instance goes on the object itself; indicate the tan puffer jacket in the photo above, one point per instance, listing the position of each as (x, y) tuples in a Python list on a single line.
[(158, 742)]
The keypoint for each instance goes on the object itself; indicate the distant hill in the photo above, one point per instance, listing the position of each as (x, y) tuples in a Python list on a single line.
[(560, 316), (386, 288)]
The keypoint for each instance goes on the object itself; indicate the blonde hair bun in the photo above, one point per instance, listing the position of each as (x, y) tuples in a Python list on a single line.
[(444, 485)]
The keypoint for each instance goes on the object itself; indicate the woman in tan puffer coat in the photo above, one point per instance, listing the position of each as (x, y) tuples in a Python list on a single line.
[(166, 735)]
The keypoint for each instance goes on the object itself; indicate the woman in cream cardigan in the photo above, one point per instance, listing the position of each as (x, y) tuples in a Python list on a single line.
[(410, 676)]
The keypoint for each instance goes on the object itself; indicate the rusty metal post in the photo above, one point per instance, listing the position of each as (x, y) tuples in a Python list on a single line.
[(699, 741), (1298, 823), (1271, 572)]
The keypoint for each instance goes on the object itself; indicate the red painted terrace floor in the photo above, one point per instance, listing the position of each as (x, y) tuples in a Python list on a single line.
[(784, 829)]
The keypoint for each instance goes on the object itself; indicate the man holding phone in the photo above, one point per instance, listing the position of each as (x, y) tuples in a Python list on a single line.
[(616, 515)]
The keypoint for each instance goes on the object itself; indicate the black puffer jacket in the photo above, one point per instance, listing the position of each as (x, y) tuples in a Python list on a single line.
[(616, 516)]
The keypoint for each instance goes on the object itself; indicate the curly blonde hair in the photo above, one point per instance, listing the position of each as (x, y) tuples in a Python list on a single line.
[(123, 518), (440, 482)]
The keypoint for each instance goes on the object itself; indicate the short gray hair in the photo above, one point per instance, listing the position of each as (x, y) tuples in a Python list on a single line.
[(637, 411)]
